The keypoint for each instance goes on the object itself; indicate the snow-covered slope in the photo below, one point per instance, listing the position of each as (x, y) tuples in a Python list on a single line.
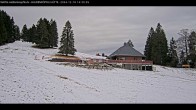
[(26, 80), (84, 56)]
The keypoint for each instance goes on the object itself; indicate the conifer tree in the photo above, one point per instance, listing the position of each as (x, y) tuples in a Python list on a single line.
[(172, 54), (192, 49), (148, 46), (7, 31), (43, 34), (16, 32), (12, 31), (33, 34), (159, 46), (3, 32), (192, 43), (54, 33), (67, 40), (24, 33), (8, 26)]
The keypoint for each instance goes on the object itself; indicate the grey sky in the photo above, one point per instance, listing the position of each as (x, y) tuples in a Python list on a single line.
[(105, 29)]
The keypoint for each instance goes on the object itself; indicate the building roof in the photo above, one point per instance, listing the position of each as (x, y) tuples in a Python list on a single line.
[(126, 50)]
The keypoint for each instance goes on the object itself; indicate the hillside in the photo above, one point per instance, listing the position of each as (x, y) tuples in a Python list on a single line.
[(27, 78)]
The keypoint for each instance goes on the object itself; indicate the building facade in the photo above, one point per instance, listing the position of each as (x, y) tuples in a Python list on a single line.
[(129, 58)]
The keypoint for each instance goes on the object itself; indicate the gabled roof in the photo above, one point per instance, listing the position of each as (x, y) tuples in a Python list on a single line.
[(126, 50)]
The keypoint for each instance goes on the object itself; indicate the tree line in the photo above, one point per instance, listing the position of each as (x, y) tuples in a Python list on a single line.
[(189, 55), (157, 49), (9, 32), (44, 34)]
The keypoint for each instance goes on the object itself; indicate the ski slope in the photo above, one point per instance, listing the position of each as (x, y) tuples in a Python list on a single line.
[(27, 78)]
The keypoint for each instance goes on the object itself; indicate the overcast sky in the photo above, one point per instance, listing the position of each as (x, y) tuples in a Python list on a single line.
[(105, 29)]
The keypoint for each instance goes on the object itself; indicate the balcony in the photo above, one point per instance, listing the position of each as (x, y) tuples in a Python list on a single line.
[(144, 62)]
